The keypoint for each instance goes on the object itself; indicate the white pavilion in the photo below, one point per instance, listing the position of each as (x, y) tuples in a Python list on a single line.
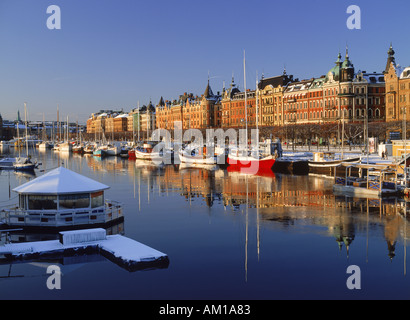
[(62, 198)]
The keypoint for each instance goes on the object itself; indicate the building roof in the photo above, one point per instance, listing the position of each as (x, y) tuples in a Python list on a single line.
[(405, 74), (60, 181), (281, 80), (124, 115)]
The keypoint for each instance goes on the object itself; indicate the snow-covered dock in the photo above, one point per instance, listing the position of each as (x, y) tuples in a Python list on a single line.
[(127, 253)]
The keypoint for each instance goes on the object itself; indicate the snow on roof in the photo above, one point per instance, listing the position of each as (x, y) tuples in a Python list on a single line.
[(61, 181), (124, 115), (405, 73)]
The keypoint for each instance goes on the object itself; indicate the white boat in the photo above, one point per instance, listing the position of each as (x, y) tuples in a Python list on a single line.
[(325, 160), (65, 147), (378, 181), (24, 163), (111, 149), (45, 145), (146, 152), (196, 156)]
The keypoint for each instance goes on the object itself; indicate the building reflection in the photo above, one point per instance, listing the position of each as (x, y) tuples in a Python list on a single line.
[(283, 199)]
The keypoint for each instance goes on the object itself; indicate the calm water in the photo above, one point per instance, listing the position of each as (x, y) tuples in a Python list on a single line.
[(228, 236)]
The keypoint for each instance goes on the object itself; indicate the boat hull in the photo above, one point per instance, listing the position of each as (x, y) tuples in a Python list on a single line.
[(251, 163), (329, 167), (99, 153), (196, 160)]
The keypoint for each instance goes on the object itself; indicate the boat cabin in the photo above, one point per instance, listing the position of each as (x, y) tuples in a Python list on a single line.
[(62, 198)]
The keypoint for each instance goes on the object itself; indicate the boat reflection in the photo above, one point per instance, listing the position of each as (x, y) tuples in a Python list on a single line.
[(277, 200)]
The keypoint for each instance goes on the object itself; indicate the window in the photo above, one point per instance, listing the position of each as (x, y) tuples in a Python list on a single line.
[(42, 202), (74, 201)]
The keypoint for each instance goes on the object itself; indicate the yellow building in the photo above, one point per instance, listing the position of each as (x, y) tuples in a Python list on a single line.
[(271, 99)]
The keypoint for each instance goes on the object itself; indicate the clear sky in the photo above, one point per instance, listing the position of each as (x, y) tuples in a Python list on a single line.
[(112, 54)]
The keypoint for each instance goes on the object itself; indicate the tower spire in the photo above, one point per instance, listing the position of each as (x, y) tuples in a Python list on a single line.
[(390, 58)]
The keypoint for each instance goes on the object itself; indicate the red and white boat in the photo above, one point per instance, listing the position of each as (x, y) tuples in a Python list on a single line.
[(251, 160)]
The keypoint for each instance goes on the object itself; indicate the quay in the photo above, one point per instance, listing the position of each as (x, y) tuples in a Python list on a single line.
[(125, 252)]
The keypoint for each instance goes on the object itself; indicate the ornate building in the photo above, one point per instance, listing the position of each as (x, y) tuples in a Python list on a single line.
[(234, 111), (271, 99), (340, 95), (397, 89), (191, 111)]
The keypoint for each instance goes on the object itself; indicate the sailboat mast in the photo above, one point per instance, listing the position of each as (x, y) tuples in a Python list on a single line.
[(58, 125), (25, 121), (257, 112), (138, 121), (246, 101)]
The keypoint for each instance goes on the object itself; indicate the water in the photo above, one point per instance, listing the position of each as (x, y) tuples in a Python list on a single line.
[(294, 239)]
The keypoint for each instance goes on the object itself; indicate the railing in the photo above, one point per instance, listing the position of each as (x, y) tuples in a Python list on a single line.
[(61, 218)]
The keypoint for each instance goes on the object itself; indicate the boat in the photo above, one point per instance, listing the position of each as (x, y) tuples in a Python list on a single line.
[(131, 154), (196, 156), (253, 158), (112, 149), (61, 199), (78, 148), (99, 152), (146, 152), (291, 165), (89, 148), (24, 164), (7, 163), (371, 181), (249, 159), (262, 172), (66, 147), (327, 162), (45, 145)]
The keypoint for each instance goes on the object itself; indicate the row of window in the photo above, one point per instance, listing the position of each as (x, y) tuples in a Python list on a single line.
[(73, 201), (360, 113)]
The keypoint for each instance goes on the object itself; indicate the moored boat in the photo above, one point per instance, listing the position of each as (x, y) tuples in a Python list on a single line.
[(24, 164), (197, 156), (327, 162), (99, 152)]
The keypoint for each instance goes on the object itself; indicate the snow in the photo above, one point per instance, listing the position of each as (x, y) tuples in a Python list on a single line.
[(80, 236), (130, 250), (126, 250), (60, 181)]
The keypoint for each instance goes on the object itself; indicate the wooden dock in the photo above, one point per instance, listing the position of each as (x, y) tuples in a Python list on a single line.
[(127, 253)]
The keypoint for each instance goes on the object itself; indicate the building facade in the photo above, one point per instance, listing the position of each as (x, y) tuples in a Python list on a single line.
[(397, 90)]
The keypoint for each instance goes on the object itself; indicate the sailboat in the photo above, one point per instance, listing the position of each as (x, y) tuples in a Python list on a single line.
[(24, 163), (66, 146), (245, 158), (44, 145)]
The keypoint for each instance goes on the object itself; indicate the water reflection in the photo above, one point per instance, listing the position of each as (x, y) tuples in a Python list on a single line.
[(284, 199), (270, 208)]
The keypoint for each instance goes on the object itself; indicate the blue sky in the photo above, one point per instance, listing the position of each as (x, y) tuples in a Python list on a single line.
[(111, 54)]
